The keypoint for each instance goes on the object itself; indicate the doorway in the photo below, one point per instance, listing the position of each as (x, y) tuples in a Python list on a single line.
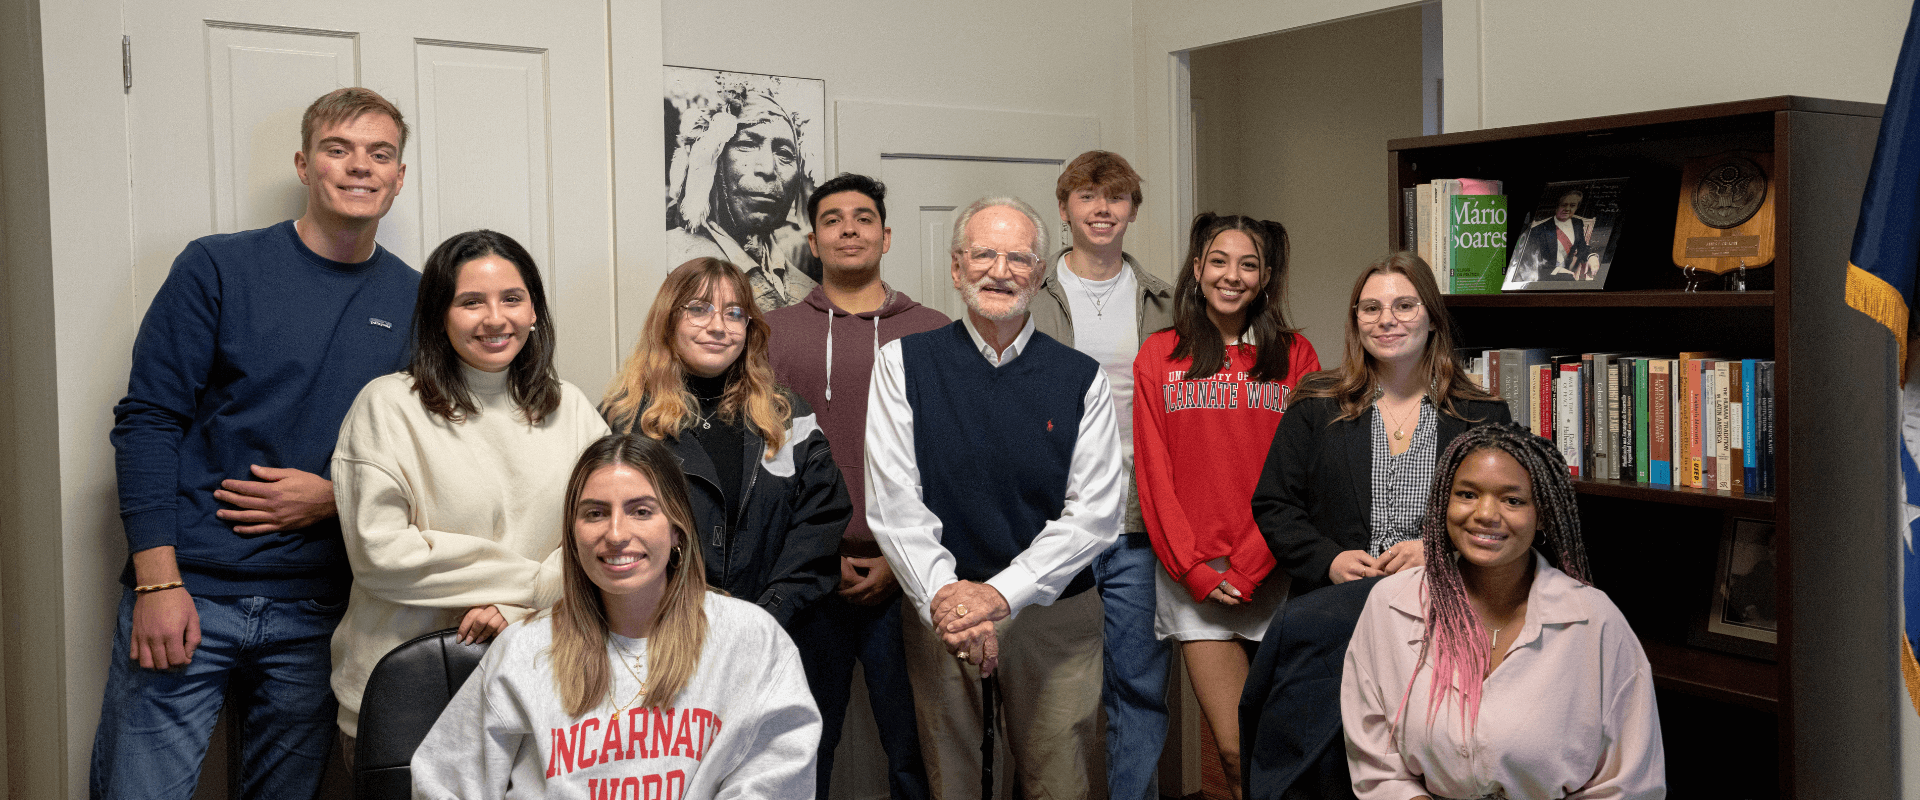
[(1293, 127)]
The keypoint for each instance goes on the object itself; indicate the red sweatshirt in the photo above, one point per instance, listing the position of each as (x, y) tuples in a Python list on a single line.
[(825, 355), (1198, 448)]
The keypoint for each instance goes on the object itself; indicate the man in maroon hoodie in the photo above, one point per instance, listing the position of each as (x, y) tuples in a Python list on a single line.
[(823, 349)]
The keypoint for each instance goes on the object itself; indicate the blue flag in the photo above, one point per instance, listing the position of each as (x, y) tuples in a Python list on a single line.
[(1880, 283)]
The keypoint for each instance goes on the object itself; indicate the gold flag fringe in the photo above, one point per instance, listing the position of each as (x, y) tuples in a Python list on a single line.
[(1878, 299), (1910, 670)]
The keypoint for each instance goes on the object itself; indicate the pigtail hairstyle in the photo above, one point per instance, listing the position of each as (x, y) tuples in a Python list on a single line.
[(435, 367), (1455, 635), (650, 395), (1266, 321), (582, 671), (1353, 384)]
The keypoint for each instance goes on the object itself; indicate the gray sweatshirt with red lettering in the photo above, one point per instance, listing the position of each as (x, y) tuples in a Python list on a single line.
[(745, 726)]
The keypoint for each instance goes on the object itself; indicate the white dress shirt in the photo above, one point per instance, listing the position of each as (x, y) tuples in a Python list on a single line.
[(910, 534)]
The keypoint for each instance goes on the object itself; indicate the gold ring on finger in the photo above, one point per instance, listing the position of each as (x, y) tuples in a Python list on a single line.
[(960, 610)]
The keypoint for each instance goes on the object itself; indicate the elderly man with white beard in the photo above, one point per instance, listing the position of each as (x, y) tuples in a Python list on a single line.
[(994, 461)]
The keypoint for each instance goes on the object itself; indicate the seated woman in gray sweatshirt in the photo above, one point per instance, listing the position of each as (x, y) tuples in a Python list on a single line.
[(641, 682)]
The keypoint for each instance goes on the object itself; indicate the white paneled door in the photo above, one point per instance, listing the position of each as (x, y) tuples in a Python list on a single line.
[(508, 104), (937, 159)]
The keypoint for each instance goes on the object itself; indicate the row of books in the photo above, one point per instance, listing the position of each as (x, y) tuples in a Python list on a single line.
[(1692, 420), (1459, 227)]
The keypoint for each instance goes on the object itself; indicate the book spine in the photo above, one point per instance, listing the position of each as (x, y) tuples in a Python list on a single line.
[(1690, 423), (1723, 449), (1767, 438), (1642, 430), (1697, 422), (1569, 398), (1709, 427), (1423, 222), (1492, 360), (1619, 411), (1533, 400), (1737, 445), (1591, 451), (1408, 228), (1751, 465), (1443, 192), (1513, 384), (1660, 421)]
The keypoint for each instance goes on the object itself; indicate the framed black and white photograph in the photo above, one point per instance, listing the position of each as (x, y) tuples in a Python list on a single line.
[(1569, 237), (1744, 614), (743, 152)]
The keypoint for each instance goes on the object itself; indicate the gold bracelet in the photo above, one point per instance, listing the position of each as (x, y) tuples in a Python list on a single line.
[(159, 587)]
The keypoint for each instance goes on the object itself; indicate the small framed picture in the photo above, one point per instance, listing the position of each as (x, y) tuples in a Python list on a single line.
[(1744, 615), (1568, 239)]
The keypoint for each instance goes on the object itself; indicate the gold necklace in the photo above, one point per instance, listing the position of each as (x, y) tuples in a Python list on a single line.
[(1399, 428), (618, 708)]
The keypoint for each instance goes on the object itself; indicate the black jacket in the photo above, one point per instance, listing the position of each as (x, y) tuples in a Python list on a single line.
[(780, 547), (1315, 494)]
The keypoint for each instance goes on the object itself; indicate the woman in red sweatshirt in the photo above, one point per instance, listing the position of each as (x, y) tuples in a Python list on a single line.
[(1222, 375)]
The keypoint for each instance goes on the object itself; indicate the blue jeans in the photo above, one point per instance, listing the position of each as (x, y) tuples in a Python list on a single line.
[(271, 656), (831, 634), (1134, 690)]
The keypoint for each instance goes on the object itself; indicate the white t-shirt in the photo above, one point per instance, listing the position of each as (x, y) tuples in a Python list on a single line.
[(1106, 327)]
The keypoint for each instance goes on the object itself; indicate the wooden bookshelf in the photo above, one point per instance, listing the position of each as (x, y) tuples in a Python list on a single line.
[(1751, 506), (1654, 548)]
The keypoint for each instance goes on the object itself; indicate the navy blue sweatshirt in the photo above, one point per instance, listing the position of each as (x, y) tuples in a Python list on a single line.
[(251, 353)]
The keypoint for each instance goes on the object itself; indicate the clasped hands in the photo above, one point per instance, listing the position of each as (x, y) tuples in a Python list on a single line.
[(1352, 565), (963, 614)]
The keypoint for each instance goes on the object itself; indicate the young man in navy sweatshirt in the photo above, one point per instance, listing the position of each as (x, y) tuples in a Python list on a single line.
[(245, 363)]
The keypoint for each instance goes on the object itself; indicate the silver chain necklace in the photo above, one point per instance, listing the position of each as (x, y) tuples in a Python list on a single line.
[(1099, 301)]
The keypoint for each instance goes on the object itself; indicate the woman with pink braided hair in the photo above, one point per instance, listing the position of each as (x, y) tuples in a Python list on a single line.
[(1497, 670)]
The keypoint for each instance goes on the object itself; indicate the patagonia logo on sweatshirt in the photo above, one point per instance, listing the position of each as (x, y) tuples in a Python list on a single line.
[(380, 322)]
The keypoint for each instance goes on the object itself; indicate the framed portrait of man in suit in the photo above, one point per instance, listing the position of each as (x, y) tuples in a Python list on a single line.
[(1569, 238)]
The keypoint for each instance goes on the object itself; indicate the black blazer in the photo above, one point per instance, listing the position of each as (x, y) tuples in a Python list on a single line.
[(1315, 494)]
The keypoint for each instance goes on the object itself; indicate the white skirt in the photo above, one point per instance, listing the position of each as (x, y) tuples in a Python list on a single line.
[(1177, 617)]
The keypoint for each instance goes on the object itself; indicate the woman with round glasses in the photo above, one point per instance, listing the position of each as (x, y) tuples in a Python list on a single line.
[(449, 475), (768, 502), (1211, 391), (1346, 480)]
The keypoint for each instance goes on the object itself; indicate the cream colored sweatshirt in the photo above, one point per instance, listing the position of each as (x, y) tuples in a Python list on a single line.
[(439, 516)]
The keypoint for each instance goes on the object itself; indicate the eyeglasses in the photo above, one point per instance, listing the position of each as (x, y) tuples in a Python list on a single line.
[(700, 312), (1020, 261), (1404, 309)]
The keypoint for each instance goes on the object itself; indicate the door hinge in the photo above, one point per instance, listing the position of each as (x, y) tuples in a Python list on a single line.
[(126, 62)]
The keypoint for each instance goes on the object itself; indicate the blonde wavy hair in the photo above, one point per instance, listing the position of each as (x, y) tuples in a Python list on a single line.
[(650, 395), (582, 671)]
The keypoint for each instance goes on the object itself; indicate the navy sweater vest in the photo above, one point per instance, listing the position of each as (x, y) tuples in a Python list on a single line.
[(994, 445)]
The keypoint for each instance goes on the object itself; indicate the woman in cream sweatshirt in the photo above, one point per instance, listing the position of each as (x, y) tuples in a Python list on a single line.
[(449, 476)]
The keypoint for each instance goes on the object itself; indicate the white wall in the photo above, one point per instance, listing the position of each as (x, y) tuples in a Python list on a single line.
[(1064, 57), (1618, 56)]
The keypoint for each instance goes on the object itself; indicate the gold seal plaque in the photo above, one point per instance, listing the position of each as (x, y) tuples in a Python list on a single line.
[(1725, 217)]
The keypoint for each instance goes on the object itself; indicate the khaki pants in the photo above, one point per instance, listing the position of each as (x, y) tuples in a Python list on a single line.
[(1049, 697)]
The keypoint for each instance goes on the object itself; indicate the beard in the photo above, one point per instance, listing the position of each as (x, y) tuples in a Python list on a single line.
[(1021, 297)]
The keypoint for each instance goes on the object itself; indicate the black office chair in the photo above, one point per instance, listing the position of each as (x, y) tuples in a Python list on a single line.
[(405, 695), (1292, 745)]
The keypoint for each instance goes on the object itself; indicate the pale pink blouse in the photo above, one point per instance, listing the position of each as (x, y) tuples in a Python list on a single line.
[(1569, 713)]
